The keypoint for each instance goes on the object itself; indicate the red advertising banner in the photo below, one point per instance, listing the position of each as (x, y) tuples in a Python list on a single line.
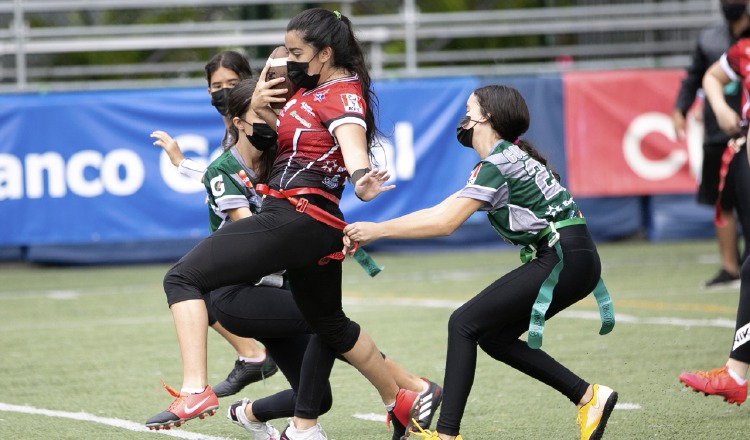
[(619, 135)]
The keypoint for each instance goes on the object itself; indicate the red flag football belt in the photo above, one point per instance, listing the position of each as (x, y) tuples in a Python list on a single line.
[(301, 204)]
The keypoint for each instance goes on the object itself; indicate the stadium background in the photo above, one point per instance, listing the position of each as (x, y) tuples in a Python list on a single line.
[(85, 83)]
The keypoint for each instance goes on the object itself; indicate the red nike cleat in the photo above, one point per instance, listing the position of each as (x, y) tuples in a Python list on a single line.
[(718, 382), (185, 407)]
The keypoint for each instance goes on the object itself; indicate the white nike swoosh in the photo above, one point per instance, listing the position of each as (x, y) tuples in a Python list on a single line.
[(597, 402), (593, 415), (189, 410)]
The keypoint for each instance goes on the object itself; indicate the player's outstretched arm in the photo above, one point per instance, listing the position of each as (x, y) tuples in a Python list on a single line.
[(169, 146), (438, 221)]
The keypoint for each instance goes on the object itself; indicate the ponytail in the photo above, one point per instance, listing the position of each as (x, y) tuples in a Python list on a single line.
[(527, 147)]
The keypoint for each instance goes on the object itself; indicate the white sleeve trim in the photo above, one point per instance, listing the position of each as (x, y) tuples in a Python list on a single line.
[(728, 70), (190, 168), (347, 120)]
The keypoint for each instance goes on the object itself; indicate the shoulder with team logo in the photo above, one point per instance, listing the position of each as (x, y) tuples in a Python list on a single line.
[(230, 182)]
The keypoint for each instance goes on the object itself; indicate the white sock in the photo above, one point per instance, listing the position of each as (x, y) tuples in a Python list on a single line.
[(253, 360), (241, 416), (192, 390), (300, 433), (390, 406), (737, 378), (426, 386)]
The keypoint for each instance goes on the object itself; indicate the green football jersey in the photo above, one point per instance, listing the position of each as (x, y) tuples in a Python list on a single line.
[(229, 185), (520, 195)]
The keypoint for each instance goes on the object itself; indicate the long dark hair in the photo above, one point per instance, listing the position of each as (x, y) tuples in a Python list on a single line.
[(321, 28), (509, 117), (237, 106), (231, 60)]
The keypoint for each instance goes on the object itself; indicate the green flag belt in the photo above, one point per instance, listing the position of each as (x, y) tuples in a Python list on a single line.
[(544, 297)]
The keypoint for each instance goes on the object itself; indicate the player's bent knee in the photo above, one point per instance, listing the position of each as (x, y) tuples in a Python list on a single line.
[(178, 288), (340, 334)]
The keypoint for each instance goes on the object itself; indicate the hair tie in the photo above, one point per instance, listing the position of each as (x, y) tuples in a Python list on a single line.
[(516, 141), (337, 14)]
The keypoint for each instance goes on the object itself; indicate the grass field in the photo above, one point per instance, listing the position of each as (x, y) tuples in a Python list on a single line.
[(82, 350)]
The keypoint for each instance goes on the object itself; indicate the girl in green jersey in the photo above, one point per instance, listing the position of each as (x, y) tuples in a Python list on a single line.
[(527, 206)]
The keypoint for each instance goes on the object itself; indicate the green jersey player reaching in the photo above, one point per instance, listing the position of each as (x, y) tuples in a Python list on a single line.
[(527, 206)]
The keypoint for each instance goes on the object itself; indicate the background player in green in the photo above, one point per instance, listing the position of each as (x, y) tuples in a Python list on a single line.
[(527, 206)]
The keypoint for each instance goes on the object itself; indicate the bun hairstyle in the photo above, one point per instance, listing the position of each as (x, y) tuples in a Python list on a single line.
[(238, 105), (508, 114), (321, 28)]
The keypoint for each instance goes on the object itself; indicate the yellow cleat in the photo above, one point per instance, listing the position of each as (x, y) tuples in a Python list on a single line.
[(592, 417), (427, 434)]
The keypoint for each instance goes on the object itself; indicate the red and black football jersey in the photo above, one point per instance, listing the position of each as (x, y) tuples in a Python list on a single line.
[(308, 153), (736, 62)]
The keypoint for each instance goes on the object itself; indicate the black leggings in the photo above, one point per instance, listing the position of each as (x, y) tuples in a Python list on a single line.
[(271, 316), (739, 183), (740, 170), (741, 343), (499, 315), (279, 238)]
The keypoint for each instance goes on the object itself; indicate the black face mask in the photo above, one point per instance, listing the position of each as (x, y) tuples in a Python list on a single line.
[(219, 100), (263, 138), (733, 11), (297, 74), (465, 135)]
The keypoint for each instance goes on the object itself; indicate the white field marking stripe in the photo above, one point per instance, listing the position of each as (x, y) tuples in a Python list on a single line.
[(84, 325), (627, 406), (372, 417), (117, 423), (593, 316), (630, 319), (70, 293)]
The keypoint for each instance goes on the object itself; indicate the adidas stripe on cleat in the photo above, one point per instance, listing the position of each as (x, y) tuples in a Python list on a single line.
[(429, 402), (185, 407), (404, 411), (716, 382)]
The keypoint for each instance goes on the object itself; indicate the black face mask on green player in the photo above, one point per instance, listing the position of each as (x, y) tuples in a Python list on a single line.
[(219, 100), (465, 135)]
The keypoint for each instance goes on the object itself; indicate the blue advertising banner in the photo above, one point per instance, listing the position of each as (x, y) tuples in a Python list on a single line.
[(81, 167), (79, 173), (426, 162)]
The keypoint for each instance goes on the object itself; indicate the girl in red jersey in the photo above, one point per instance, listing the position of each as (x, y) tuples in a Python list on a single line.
[(325, 134), (730, 381)]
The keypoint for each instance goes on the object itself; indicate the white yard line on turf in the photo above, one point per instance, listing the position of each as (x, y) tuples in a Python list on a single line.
[(594, 316), (117, 423)]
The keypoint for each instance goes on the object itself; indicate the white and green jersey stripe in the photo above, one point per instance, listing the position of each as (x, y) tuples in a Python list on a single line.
[(520, 195), (226, 189)]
